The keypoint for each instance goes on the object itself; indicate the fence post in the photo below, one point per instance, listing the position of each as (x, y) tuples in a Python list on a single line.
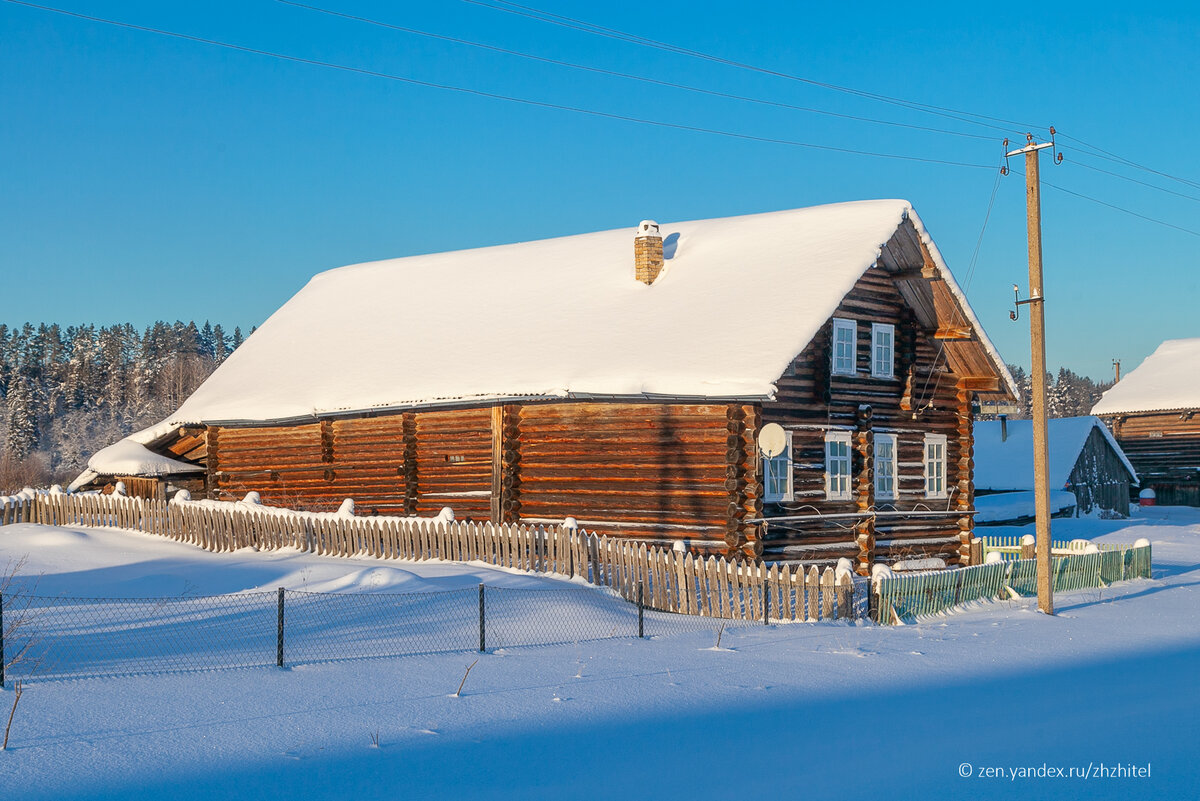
[(641, 609), (873, 601), (279, 632), (1, 640), (766, 602), (482, 628)]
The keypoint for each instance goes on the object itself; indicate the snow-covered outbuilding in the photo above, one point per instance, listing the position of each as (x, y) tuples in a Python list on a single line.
[(1084, 460), (1154, 412), (622, 378)]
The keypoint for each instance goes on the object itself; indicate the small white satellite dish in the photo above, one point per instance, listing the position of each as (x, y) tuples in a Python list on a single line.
[(772, 439)]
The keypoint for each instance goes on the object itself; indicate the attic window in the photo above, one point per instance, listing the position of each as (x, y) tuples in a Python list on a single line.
[(845, 337), (883, 348)]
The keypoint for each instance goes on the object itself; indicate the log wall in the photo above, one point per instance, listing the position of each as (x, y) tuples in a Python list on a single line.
[(454, 462), (656, 471), (284, 464), (1164, 448), (923, 397), (659, 472)]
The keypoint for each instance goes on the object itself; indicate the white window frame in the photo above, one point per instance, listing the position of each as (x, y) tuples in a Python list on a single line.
[(839, 486), (935, 468), (876, 330), (840, 324), (882, 493), (784, 461)]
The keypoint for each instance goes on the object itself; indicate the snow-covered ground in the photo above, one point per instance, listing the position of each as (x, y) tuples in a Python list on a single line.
[(856, 711)]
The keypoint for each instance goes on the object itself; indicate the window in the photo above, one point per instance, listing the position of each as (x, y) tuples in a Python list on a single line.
[(845, 337), (837, 466), (777, 475), (883, 348), (935, 466), (885, 467)]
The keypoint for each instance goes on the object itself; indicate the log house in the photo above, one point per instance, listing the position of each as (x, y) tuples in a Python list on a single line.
[(1154, 413), (636, 413)]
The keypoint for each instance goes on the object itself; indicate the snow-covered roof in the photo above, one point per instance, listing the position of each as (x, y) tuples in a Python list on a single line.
[(1008, 464), (1007, 506), (1168, 379), (130, 458), (561, 318)]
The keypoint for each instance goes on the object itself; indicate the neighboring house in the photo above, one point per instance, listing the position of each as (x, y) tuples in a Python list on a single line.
[(1085, 460), (622, 378), (1154, 412)]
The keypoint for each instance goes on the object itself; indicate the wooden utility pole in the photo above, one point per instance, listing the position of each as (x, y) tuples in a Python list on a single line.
[(1037, 342)]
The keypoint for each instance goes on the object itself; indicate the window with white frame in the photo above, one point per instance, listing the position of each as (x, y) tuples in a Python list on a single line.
[(837, 466), (777, 475), (935, 466), (885, 467), (883, 350), (845, 339)]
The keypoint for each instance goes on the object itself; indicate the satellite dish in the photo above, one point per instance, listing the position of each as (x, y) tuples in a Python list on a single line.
[(772, 439)]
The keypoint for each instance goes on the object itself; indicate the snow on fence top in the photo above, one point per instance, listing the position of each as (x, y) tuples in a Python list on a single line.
[(1168, 379), (558, 318), (1008, 464)]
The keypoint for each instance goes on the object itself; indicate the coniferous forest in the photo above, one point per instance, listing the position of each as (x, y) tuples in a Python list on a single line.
[(66, 392)]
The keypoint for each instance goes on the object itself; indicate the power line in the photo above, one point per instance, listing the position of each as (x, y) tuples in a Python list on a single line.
[(509, 7), (626, 75), (493, 95), (979, 242), (1115, 207), (1108, 156), (1087, 166), (613, 33)]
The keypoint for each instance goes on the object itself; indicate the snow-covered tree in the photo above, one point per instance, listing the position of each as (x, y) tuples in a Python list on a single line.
[(21, 436)]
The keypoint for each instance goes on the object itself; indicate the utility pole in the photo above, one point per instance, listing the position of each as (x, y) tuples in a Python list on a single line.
[(1037, 343)]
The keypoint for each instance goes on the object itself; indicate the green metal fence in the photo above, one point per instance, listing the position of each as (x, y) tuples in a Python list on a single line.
[(907, 598), (1009, 547)]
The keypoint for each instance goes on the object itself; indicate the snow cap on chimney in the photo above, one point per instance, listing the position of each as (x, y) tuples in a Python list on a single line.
[(647, 252)]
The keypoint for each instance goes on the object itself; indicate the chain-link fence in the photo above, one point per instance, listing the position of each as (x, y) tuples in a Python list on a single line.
[(45, 637)]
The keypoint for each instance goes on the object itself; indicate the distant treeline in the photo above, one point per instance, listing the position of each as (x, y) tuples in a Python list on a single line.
[(66, 392), (1068, 395)]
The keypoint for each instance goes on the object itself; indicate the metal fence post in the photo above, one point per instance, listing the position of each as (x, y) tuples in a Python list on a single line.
[(482, 629), (766, 604), (641, 609), (279, 633)]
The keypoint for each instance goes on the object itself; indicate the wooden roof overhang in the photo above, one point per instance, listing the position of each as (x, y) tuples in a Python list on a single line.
[(920, 281)]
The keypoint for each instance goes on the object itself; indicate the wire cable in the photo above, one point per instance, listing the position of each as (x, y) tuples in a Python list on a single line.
[(1115, 207), (1109, 156), (626, 75), (1087, 166), (613, 33), (494, 95), (979, 242)]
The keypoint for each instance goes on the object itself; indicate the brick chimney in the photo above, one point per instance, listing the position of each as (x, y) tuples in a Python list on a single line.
[(647, 252)]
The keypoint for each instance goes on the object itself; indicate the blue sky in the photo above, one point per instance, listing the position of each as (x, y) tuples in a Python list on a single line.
[(146, 177)]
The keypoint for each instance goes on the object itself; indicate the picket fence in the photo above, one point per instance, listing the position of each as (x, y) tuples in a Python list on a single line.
[(1011, 547), (661, 579), (905, 598)]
